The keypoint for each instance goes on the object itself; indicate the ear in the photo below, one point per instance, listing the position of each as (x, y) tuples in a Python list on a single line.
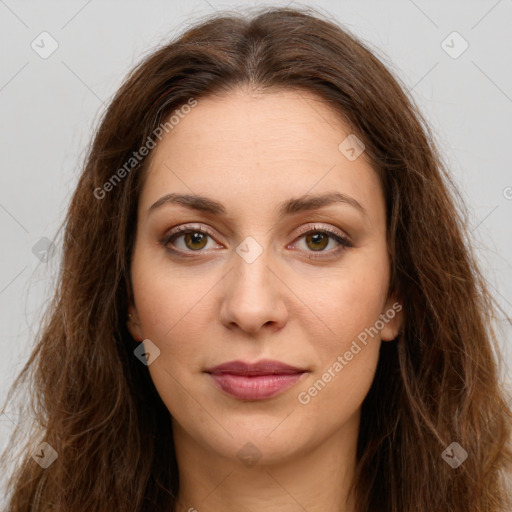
[(392, 317), (133, 323)]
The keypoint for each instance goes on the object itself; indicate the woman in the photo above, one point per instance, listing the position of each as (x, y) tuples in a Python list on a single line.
[(267, 299)]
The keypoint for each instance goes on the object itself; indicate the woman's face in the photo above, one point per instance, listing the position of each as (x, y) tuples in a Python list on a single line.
[(274, 267)]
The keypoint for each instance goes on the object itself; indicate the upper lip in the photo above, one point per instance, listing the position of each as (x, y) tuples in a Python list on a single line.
[(263, 367)]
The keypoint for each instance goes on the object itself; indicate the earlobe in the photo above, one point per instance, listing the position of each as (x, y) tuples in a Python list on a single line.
[(392, 317), (133, 325)]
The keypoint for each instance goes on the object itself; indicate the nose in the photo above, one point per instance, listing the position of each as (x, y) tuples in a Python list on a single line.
[(253, 296)]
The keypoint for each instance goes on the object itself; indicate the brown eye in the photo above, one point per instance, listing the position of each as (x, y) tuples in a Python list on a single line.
[(187, 240), (194, 240), (318, 241)]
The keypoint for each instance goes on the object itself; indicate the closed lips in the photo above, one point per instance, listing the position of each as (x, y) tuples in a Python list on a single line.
[(256, 381), (254, 369)]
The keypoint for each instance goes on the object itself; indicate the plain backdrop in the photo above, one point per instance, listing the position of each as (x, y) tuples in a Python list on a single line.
[(51, 106)]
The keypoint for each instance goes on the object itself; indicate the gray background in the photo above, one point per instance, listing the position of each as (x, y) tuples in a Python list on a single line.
[(50, 107)]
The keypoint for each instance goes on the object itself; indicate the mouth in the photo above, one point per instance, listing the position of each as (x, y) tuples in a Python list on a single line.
[(255, 381)]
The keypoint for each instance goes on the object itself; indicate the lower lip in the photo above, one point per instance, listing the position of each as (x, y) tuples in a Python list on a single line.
[(254, 388)]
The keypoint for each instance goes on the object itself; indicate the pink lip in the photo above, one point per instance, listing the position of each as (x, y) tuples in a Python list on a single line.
[(255, 381)]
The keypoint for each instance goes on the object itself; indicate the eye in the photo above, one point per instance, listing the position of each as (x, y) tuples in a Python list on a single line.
[(316, 240), (186, 239)]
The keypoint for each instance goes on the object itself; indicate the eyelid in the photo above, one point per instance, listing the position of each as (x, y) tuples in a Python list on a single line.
[(325, 228), (191, 227)]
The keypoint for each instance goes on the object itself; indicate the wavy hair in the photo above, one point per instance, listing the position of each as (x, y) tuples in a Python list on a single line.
[(438, 383)]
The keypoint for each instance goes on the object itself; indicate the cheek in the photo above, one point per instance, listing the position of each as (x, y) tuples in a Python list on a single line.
[(171, 310), (347, 357), (348, 301), (346, 348), (162, 294), (174, 309)]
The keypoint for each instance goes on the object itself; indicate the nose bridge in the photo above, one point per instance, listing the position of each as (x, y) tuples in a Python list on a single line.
[(251, 274), (252, 295)]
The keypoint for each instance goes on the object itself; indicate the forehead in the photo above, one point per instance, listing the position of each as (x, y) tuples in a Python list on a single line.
[(249, 148)]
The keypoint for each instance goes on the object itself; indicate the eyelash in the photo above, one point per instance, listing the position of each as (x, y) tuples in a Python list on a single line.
[(173, 235)]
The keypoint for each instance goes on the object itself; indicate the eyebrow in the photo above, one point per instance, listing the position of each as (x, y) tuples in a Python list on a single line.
[(288, 207)]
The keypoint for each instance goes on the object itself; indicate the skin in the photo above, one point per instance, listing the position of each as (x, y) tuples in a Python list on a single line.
[(251, 151)]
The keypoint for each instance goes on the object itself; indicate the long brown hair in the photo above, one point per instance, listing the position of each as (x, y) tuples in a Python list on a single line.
[(438, 383)]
